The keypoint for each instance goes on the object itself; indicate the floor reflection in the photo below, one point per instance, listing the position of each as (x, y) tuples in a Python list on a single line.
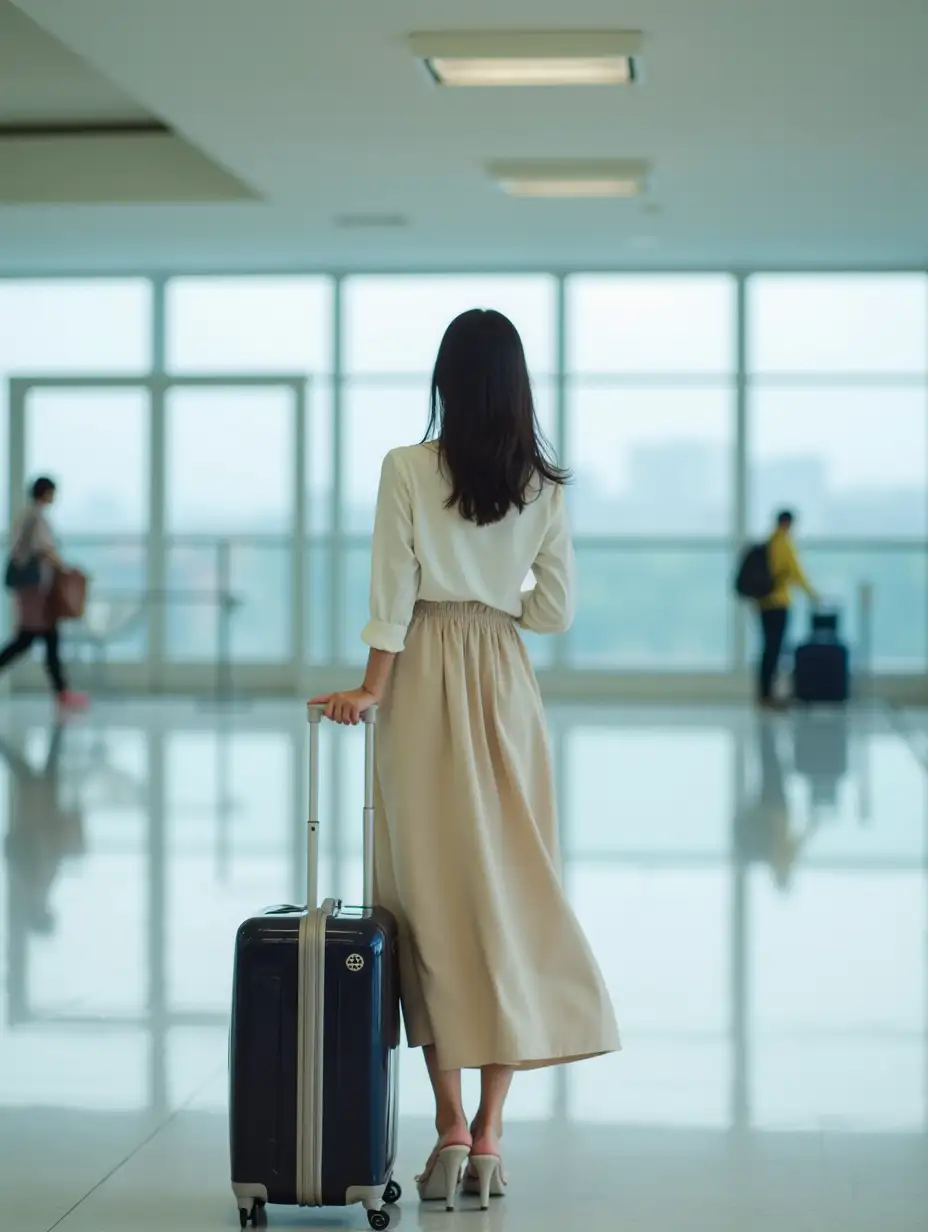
[(755, 890), (42, 832), (773, 829)]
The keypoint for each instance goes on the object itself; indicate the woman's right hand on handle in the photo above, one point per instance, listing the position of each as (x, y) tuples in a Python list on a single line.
[(346, 708)]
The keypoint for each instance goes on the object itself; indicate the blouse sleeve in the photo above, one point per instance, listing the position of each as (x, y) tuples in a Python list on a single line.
[(394, 567), (549, 606)]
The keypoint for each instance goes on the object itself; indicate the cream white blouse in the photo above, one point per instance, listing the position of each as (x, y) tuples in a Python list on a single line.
[(422, 550)]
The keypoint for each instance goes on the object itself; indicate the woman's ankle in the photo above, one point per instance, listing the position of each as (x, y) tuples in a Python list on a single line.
[(453, 1130), (486, 1144), (486, 1134)]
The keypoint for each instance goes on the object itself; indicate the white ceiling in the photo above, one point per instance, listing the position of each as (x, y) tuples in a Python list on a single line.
[(52, 107), (786, 133), (40, 80)]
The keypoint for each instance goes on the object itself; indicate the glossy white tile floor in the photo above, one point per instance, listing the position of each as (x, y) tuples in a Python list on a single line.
[(757, 895)]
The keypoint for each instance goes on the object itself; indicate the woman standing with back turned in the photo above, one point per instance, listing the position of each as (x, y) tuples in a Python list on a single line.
[(496, 973)]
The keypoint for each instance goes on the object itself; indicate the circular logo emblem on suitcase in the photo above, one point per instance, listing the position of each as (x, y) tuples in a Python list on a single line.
[(355, 962)]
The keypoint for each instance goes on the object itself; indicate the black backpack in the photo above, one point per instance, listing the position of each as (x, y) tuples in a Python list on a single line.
[(754, 579)]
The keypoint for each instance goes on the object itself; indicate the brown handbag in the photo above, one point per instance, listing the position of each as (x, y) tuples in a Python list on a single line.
[(67, 598)]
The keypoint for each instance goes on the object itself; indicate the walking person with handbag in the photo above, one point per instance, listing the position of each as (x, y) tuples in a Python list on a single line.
[(31, 571)]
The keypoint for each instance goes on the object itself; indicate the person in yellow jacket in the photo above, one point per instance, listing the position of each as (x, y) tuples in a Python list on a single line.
[(788, 575)]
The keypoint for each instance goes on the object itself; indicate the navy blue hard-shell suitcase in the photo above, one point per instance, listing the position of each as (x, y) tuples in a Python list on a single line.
[(313, 1048), (821, 666)]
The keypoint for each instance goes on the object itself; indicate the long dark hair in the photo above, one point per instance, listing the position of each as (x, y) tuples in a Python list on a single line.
[(482, 414)]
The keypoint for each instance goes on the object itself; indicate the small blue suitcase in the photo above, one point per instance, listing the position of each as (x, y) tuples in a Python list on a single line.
[(821, 666), (313, 1046)]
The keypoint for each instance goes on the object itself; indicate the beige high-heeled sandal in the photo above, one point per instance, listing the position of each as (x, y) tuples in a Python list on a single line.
[(488, 1179), (441, 1181)]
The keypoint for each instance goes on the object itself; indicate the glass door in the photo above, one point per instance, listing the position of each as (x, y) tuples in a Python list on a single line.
[(184, 499), (231, 514), (93, 439)]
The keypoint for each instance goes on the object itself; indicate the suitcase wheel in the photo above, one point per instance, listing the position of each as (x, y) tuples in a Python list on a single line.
[(256, 1216), (392, 1194), (379, 1220)]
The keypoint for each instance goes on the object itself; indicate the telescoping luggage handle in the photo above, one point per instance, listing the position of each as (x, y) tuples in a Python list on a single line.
[(315, 715), (825, 620)]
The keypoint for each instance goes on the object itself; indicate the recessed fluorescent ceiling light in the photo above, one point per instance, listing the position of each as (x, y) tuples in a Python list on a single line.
[(571, 179), (540, 58), (553, 72), (570, 188)]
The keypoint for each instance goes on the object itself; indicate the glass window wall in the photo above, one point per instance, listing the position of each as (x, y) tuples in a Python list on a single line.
[(685, 425)]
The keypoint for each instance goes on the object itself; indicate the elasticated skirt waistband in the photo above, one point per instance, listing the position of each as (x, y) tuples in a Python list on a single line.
[(463, 613)]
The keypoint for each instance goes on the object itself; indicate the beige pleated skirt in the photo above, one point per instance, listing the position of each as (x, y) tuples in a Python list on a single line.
[(495, 968)]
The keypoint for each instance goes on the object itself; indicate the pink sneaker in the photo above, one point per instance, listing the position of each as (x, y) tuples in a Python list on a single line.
[(73, 701)]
